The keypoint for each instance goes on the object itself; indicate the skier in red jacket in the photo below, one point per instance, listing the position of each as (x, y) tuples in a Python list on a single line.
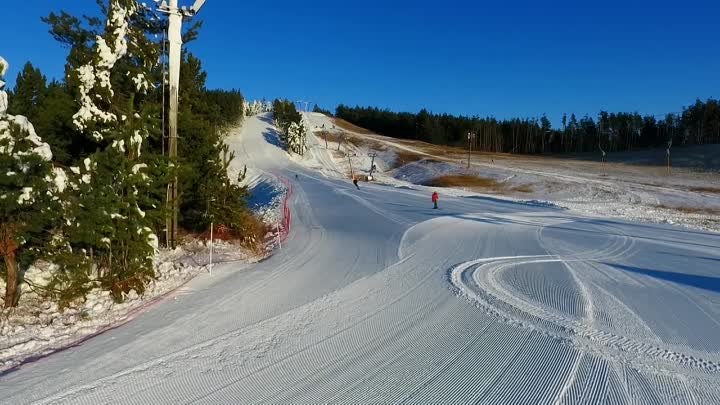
[(435, 198)]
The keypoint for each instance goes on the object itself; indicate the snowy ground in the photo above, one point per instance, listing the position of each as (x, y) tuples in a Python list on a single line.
[(38, 327), (377, 298), (630, 187)]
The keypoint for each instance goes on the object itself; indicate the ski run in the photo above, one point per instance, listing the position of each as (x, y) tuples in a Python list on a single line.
[(374, 297)]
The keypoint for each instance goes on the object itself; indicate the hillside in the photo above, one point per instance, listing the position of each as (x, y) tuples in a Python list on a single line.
[(633, 185)]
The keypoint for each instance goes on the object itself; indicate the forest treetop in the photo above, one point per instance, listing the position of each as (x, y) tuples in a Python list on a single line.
[(698, 124)]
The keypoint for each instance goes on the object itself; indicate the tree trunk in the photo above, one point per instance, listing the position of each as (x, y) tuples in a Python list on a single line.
[(11, 267)]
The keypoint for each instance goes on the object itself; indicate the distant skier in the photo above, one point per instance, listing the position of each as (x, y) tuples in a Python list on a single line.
[(355, 182), (435, 198)]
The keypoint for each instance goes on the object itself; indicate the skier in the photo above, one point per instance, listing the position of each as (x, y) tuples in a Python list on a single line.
[(355, 182), (435, 198)]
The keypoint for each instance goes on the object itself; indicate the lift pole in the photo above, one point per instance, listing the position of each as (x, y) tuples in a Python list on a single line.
[(175, 20), (471, 135), (175, 40)]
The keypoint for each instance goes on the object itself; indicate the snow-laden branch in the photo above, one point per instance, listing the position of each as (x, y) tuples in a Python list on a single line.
[(94, 77)]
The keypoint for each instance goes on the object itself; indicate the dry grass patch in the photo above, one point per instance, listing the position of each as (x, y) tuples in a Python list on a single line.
[(358, 143), (349, 126), (477, 183), (341, 138), (330, 136), (523, 188), (691, 210), (404, 157), (711, 190), (464, 180), (439, 150)]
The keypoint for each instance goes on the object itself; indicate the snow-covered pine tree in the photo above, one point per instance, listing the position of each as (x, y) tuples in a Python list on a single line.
[(296, 137), (28, 194), (285, 116), (3, 95), (106, 221), (257, 107)]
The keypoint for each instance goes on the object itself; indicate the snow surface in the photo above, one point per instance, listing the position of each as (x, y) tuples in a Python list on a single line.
[(377, 298)]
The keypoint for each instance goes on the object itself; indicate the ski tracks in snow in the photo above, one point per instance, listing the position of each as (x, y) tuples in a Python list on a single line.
[(482, 282)]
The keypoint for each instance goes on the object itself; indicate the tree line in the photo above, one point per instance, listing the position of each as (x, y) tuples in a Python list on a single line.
[(697, 124), (83, 178)]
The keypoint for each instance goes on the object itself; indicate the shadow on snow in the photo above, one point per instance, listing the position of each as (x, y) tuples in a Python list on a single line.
[(692, 280), (261, 195), (273, 138)]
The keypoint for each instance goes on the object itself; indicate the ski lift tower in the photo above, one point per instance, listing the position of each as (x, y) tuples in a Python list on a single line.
[(372, 155), (303, 105), (175, 20)]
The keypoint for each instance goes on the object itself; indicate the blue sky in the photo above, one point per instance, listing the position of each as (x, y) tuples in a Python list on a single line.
[(516, 58)]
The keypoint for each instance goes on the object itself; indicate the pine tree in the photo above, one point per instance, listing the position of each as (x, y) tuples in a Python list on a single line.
[(29, 92), (54, 121), (106, 220), (28, 200)]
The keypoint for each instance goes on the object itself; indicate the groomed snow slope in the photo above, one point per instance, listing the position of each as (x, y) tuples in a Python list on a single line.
[(377, 298)]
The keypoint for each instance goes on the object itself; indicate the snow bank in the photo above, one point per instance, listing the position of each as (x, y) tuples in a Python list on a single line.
[(267, 193), (37, 327)]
